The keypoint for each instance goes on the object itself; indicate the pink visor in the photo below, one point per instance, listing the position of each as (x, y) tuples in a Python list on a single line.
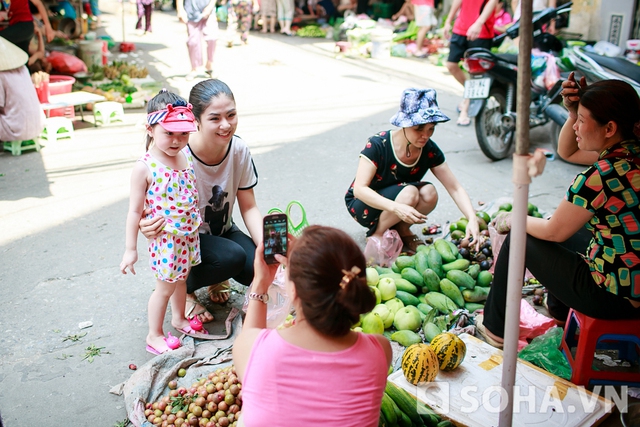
[(174, 119)]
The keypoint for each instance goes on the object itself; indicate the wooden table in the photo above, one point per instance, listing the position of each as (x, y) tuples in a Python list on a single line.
[(72, 99)]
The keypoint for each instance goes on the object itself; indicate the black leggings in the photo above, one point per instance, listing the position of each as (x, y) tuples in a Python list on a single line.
[(223, 257), (567, 278), (19, 34)]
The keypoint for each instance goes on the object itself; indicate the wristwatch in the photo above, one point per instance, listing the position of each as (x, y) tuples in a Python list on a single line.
[(260, 297)]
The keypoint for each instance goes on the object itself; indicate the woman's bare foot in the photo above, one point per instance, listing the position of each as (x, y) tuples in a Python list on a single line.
[(219, 293), (194, 308)]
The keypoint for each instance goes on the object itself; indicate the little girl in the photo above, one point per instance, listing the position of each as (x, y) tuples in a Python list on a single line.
[(163, 181)]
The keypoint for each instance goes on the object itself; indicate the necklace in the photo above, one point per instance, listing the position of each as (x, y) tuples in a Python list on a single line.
[(408, 152)]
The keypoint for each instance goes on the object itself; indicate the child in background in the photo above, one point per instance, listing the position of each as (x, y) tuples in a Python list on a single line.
[(145, 9), (503, 19), (164, 181)]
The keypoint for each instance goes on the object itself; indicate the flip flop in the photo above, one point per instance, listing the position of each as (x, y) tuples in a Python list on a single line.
[(190, 312), (157, 352), (219, 289), (482, 331), (465, 123), (192, 332)]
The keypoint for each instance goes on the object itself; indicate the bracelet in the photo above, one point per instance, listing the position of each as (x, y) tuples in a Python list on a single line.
[(259, 297)]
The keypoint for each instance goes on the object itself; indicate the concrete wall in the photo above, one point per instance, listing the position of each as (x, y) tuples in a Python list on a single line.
[(593, 19)]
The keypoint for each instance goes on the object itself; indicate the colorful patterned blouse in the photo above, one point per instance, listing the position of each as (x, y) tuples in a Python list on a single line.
[(609, 189)]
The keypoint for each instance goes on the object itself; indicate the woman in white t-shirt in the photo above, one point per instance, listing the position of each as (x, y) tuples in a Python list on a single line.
[(225, 173)]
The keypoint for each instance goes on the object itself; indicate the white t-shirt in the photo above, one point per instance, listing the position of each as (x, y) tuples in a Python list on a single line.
[(218, 186)]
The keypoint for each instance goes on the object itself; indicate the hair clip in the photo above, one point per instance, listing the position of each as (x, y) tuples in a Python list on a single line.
[(349, 275)]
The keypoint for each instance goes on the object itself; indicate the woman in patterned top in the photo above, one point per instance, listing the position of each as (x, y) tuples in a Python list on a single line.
[(387, 191), (603, 282)]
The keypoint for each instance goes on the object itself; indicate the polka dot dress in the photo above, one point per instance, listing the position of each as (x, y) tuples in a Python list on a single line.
[(173, 195)]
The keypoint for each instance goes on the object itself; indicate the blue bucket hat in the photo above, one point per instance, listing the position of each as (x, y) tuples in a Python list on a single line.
[(418, 107)]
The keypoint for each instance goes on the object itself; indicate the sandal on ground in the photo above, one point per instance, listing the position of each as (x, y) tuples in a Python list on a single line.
[(219, 293), (201, 312), (411, 242), (482, 331), (463, 121)]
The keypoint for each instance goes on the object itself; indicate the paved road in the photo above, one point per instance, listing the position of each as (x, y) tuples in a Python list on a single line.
[(306, 116)]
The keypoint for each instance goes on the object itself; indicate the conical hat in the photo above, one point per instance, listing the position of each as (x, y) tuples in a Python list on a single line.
[(11, 56)]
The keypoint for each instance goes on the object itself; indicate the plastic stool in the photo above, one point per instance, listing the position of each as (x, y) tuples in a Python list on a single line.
[(108, 112), (57, 128), (587, 334), (17, 147)]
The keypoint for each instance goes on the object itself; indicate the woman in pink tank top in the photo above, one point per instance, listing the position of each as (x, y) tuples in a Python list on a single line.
[(317, 372)]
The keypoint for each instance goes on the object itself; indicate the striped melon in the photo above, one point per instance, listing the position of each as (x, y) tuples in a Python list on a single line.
[(449, 349), (420, 364)]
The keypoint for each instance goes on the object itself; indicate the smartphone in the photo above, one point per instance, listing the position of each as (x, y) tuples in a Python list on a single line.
[(275, 233)]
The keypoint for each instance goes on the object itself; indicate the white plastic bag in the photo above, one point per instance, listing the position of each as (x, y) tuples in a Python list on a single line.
[(279, 305), (383, 252)]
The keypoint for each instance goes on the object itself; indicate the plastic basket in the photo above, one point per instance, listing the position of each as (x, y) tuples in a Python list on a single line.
[(294, 229)]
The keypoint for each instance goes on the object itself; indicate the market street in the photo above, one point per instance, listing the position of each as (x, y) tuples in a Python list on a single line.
[(305, 114)]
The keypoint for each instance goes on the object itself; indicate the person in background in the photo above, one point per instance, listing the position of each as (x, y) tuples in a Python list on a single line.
[(325, 277), (202, 25), (93, 12), (538, 5), (502, 18), (145, 10), (425, 18), (20, 30), (473, 28), (387, 191), (21, 116), (602, 281), (37, 54), (240, 18), (268, 12), (285, 11), (405, 14), (225, 174)]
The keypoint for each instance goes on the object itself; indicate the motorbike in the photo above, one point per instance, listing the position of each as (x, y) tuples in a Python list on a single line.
[(594, 67), (492, 88)]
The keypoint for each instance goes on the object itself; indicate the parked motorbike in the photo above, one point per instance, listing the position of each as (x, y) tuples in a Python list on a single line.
[(594, 67), (492, 89)]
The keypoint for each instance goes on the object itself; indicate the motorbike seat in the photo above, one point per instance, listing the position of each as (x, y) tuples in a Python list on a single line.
[(619, 65), (508, 57)]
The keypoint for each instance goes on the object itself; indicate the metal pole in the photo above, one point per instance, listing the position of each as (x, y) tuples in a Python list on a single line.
[(521, 182), (123, 29)]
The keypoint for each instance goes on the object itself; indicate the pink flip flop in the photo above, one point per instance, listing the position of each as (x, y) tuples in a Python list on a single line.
[(192, 332), (153, 350)]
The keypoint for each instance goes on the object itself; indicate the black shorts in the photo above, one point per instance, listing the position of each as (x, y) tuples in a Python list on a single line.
[(367, 216), (459, 44)]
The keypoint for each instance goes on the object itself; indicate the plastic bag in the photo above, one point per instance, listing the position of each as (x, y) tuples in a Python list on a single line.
[(532, 323), (551, 72), (544, 351), (65, 63), (279, 305), (383, 252)]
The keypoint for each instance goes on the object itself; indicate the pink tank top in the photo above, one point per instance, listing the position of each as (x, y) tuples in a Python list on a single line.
[(285, 385)]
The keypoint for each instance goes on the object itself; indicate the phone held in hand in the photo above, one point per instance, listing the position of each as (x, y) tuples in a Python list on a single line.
[(275, 236)]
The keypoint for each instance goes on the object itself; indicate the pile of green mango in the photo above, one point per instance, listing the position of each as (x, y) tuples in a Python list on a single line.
[(422, 292)]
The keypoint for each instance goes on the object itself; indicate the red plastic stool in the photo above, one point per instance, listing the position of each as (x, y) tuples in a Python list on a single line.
[(587, 334)]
